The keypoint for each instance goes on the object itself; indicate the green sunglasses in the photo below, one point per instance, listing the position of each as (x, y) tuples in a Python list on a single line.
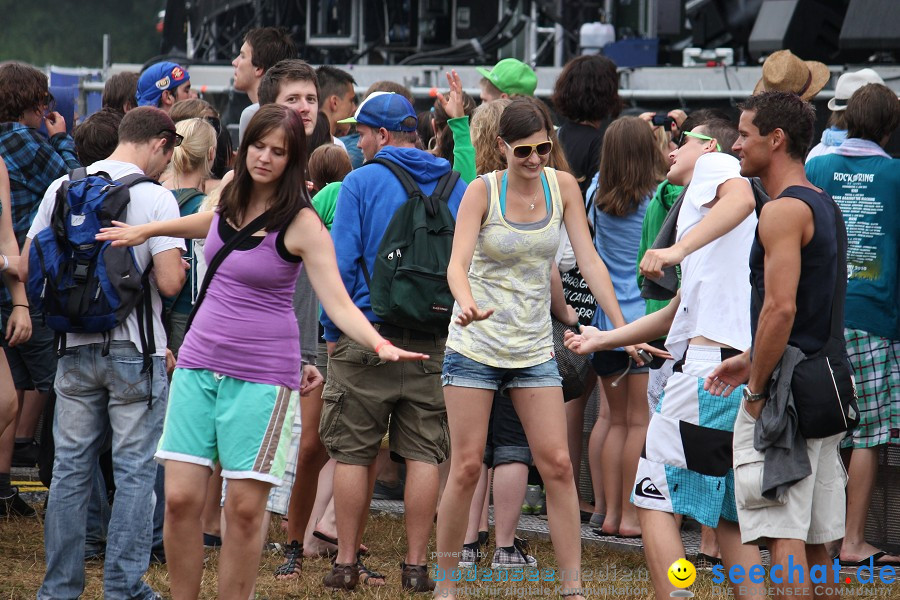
[(699, 136)]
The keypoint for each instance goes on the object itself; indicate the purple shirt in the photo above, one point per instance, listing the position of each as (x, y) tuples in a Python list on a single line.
[(246, 327)]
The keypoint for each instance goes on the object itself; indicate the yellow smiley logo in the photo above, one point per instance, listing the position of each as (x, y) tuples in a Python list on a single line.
[(682, 573)]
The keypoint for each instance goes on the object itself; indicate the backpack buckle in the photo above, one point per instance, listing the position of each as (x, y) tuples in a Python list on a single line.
[(80, 272)]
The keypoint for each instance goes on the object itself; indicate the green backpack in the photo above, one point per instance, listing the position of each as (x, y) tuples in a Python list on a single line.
[(408, 285)]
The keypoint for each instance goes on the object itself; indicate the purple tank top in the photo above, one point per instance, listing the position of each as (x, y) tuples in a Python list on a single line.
[(246, 327)]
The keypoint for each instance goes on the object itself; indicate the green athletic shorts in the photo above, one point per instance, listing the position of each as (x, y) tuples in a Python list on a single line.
[(244, 426)]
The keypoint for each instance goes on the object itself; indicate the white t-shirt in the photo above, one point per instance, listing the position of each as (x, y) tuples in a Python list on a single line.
[(715, 280), (246, 115), (149, 202)]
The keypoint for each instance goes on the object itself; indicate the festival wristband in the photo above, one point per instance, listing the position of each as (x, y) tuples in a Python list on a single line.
[(381, 345)]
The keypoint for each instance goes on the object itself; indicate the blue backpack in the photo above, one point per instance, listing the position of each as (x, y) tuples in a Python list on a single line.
[(82, 285)]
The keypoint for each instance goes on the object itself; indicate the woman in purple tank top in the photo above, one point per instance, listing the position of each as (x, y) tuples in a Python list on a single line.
[(230, 400)]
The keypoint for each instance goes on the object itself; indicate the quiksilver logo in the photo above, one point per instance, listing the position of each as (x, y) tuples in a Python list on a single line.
[(647, 489)]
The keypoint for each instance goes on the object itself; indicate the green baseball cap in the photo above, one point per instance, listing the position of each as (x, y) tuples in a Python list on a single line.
[(511, 76)]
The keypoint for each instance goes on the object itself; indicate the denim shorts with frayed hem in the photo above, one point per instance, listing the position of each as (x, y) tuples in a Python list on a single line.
[(461, 371)]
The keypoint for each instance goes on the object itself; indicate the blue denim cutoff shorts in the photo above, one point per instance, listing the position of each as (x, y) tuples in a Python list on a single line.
[(460, 371)]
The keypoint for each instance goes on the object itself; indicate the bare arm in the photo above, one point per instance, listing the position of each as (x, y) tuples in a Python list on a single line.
[(168, 270), (18, 329), (562, 311), (734, 203), (195, 226), (784, 224), (307, 237), (647, 328), (468, 226), (591, 266)]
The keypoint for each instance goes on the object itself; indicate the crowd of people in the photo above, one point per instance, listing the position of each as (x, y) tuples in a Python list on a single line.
[(365, 300)]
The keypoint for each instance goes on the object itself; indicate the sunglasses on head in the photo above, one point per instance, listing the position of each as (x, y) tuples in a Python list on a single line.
[(686, 134), (171, 134), (215, 122), (525, 150)]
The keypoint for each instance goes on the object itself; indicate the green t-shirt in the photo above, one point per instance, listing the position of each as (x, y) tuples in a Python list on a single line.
[(325, 201), (665, 196)]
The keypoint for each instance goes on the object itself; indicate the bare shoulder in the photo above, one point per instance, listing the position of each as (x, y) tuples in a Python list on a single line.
[(566, 179), (783, 219)]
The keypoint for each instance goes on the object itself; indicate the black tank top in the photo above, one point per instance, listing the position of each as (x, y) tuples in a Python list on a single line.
[(818, 272)]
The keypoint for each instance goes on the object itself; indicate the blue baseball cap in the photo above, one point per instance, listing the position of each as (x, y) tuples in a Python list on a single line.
[(384, 109), (158, 78)]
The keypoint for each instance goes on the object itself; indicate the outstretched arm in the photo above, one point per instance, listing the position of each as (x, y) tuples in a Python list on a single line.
[(307, 237), (647, 328), (195, 226), (734, 203)]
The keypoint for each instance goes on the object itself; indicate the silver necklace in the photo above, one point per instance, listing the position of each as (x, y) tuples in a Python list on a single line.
[(533, 198)]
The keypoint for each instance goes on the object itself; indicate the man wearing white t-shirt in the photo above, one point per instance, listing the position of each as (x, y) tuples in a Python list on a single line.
[(685, 467), (100, 390)]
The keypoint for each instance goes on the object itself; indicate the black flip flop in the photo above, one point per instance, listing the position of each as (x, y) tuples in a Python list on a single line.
[(333, 541), (874, 558)]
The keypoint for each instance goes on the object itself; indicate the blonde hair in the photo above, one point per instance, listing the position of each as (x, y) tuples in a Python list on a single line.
[(485, 128), (192, 155)]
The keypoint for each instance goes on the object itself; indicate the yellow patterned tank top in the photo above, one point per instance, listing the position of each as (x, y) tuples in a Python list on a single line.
[(510, 272)]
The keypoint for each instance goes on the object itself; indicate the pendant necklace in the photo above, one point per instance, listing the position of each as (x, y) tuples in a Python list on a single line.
[(533, 198)]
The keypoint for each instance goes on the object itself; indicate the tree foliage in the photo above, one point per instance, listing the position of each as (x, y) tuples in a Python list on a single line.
[(69, 33)]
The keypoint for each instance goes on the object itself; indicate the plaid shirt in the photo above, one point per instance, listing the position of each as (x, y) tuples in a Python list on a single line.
[(33, 163)]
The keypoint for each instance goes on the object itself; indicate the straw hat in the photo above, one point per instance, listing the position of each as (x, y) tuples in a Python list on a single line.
[(783, 71)]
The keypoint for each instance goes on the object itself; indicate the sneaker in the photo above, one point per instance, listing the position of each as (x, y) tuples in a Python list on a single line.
[(25, 454), (532, 503), (385, 491), (14, 506), (342, 577), (211, 541), (414, 578), (471, 556), (513, 557)]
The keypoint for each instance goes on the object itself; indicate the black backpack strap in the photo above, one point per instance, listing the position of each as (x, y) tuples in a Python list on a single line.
[(245, 232), (840, 285), (442, 191)]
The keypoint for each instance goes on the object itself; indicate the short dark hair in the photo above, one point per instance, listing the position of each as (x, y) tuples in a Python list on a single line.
[(98, 135), (785, 111), (873, 113), (333, 81), (587, 89), (120, 90), (144, 124), (393, 87), (704, 115), (22, 88), (291, 195), (292, 69), (521, 119), (270, 45), (328, 163), (725, 132)]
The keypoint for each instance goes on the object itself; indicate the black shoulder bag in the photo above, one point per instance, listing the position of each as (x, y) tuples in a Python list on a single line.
[(822, 385), (239, 236)]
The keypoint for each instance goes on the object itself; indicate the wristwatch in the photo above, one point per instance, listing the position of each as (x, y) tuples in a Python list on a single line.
[(751, 397)]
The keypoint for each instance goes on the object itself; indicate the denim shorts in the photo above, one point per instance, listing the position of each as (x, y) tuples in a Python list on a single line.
[(460, 371)]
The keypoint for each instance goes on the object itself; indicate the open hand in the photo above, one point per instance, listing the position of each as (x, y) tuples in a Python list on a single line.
[(389, 352), (728, 375), (123, 234), (453, 102)]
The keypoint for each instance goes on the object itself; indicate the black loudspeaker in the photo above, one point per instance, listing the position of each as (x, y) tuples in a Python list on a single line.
[(871, 26), (808, 28)]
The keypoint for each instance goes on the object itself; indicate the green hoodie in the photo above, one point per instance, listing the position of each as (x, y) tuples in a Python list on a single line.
[(665, 196)]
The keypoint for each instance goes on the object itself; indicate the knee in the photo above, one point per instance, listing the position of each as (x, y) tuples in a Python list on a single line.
[(182, 504), (467, 469), (243, 513), (556, 465)]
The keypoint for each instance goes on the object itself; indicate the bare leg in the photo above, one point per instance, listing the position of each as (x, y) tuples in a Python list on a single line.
[(736, 553), (511, 480), (186, 486), (709, 543), (662, 547), (817, 554), (420, 503), (611, 460), (30, 411), (245, 505), (544, 420), (483, 524), (595, 451), (476, 506), (352, 496), (468, 412), (575, 429), (638, 417), (863, 468), (780, 551), (212, 508), (310, 460), (324, 505)]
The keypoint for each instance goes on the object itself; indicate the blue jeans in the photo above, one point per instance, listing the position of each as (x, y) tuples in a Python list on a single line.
[(96, 392)]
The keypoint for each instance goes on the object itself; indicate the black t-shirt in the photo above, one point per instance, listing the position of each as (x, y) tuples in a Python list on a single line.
[(581, 145)]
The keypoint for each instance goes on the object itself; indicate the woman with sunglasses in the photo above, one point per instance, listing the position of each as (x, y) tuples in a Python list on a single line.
[(231, 397), (500, 338)]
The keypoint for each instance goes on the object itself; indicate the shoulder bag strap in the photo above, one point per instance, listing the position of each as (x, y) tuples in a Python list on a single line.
[(840, 284), (254, 226)]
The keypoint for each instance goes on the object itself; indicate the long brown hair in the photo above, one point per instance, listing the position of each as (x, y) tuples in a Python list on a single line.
[(291, 195), (631, 166)]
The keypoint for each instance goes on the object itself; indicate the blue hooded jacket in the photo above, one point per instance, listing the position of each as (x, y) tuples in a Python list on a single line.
[(368, 199)]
